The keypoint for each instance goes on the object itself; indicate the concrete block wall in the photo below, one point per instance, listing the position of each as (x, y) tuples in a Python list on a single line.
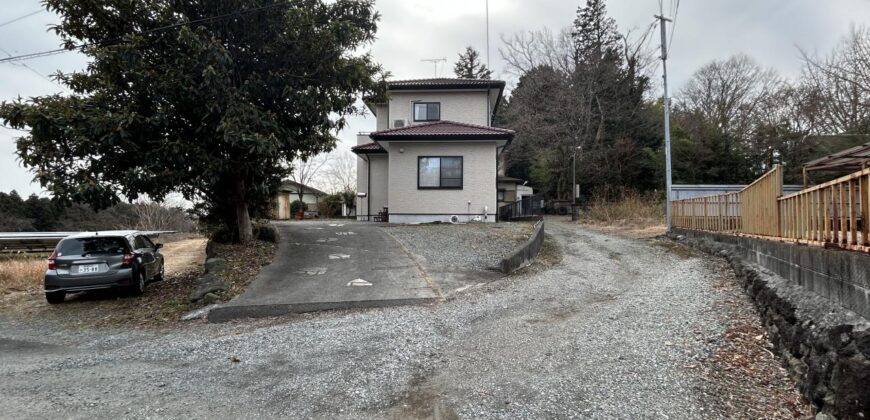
[(825, 347), (843, 277)]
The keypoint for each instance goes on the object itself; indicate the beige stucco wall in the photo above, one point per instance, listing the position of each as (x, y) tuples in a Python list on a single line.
[(408, 204), (377, 196), (459, 106), (383, 117)]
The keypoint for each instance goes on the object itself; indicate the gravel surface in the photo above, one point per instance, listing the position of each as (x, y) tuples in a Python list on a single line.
[(610, 332), (462, 247)]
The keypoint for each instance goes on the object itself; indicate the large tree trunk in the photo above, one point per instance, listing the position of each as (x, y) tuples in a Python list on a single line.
[(243, 218)]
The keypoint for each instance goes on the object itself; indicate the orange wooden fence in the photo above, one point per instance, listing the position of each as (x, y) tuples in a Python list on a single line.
[(830, 214)]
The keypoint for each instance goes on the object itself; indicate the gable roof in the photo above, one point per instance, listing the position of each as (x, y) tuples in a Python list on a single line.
[(286, 184), (368, 148), (445, 83), (444, 130)]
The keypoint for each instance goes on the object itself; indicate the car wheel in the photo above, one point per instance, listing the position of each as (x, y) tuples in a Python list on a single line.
[(139, 287), (55, 297), (160, 276)]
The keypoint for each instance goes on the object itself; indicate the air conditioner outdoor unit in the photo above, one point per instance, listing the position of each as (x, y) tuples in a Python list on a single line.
[(454, 219), (398, 123)]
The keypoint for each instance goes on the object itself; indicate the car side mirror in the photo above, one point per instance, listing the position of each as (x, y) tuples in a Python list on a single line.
[(158, 246)]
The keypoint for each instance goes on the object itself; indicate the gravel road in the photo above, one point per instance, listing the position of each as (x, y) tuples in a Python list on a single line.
[(609, 332)]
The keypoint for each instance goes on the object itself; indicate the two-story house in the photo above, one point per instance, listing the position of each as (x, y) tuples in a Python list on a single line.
[(434, 155)]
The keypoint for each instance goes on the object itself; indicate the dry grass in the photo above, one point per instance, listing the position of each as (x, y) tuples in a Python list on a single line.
[(21, 274), (634, 214)]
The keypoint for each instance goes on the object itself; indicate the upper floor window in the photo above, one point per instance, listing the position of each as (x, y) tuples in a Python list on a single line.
[(427, 111)]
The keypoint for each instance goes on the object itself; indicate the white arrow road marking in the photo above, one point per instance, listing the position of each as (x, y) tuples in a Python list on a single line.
[(338, 256), (345, 233), (327, 240), (336, 224), (358, 282), (312, 271)]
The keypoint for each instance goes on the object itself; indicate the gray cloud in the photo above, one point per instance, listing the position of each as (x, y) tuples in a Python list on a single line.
[(411, 30)]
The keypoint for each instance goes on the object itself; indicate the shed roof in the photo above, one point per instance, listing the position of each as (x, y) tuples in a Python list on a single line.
[(853, 158), (286, 184)]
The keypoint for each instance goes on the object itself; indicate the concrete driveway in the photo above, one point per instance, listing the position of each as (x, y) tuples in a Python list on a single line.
[(331, 265)]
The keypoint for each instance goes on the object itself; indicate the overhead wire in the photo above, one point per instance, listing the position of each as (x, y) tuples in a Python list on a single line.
[(676, 10), (118, 41), (34, 71), (21, 17)]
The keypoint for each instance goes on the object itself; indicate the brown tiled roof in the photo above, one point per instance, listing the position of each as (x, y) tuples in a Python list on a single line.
[(444, 83), (444, 130), (504, 178), (368, 148)]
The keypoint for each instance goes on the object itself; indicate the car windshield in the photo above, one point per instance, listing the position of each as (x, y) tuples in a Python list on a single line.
[(90, 246)]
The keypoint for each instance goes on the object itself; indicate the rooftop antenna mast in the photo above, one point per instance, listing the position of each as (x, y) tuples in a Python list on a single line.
[(435, 61)]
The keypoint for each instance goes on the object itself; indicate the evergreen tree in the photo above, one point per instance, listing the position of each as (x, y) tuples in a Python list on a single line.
[(469, 66), (595, 34)]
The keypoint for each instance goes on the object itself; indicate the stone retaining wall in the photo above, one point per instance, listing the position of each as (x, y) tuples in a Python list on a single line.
[(523, 255), (825, 346)]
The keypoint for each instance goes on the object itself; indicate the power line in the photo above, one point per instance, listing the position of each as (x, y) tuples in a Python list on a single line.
[(21, 17), (676, 9), (32, 70), (117, 41)]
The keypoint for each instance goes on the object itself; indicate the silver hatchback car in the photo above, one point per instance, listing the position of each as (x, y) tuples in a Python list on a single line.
[(102, 260)]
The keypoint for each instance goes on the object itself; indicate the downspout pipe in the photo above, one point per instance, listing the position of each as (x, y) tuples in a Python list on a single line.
[(368, 188), (498, 151)]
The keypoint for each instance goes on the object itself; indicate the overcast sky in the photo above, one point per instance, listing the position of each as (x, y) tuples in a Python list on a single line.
[(413, 30)]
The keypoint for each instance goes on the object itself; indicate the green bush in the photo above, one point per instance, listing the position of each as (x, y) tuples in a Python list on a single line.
[(266, 232), (224, 235), (296, 206)]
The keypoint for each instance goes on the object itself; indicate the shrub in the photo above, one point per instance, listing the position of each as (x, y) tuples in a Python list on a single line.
[(266, 232), (296, 206)]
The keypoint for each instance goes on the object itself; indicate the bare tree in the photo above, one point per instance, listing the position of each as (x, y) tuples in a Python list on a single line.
[(166, 215), (305, 170), (340, 174), (727, 93), (525, 51), (842, 82)]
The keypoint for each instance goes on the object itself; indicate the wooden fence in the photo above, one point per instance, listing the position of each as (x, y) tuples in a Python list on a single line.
[(830, 214)]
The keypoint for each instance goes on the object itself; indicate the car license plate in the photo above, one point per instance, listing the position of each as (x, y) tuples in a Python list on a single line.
[(89, 268)]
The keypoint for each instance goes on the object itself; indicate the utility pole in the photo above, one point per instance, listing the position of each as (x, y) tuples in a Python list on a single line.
[(667, 106), (435, 62)]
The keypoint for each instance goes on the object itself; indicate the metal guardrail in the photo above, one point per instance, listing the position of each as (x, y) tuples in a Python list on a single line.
[(527, 207), (36, 242)]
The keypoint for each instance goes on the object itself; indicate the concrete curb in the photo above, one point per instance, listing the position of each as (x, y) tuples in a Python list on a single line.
[(524, 255), (233, 312)]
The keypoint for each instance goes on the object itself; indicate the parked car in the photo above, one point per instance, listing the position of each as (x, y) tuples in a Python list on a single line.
[(126, 260)]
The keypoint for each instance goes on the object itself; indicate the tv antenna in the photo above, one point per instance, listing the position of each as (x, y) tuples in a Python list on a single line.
[(435, 61)]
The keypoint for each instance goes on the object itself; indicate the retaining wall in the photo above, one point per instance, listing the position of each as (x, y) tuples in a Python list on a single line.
[(843, 277), (523, 255), (825, 346)]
